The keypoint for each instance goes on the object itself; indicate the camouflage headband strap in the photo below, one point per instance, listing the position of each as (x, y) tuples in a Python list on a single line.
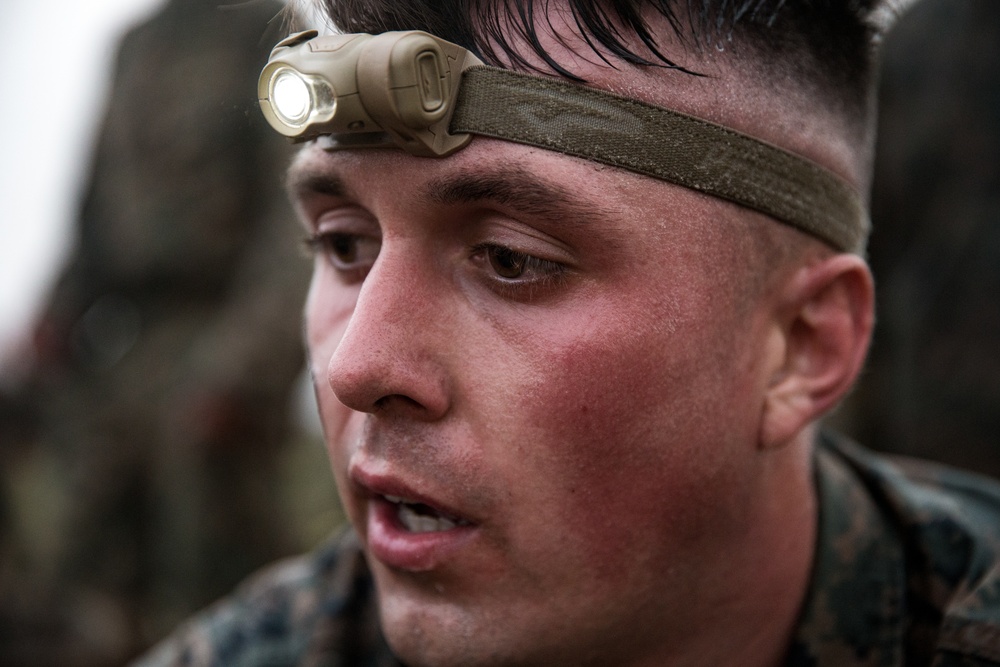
[(622, 132)]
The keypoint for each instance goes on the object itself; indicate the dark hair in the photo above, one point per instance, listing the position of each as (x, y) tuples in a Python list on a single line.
[(828, 43)]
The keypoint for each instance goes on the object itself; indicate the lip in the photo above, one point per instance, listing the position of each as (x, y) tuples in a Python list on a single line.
[(390, 542)]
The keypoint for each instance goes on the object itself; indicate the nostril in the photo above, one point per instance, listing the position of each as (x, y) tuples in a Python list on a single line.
[(396, 401)]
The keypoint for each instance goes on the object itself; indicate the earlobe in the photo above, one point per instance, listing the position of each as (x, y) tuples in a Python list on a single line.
[(822, 326)]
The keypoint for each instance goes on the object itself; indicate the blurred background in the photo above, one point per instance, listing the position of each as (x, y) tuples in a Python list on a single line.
[(158, 439), (157, 436), (47, 145), (932, 383)]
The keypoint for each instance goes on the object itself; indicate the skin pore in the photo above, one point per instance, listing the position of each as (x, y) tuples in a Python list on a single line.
[(603, 382)]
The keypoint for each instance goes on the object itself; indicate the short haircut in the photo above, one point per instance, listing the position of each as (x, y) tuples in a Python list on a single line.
[(827, 45)]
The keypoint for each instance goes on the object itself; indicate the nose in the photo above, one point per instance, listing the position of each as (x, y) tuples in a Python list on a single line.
[(391, 356)]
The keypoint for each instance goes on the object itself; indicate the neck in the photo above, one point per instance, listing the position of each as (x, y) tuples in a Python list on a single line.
[(765, 578)]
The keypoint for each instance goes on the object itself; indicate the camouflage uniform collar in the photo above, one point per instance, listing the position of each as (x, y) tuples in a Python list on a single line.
[(853, 614)]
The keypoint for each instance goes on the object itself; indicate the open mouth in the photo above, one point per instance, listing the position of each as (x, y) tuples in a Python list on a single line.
[(417, 517)]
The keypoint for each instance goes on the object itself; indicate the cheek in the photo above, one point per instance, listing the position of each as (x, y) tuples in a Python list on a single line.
[(327, 314), (628, 437)]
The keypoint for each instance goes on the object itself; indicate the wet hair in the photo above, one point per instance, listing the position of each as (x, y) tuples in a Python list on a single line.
[(827, 44)]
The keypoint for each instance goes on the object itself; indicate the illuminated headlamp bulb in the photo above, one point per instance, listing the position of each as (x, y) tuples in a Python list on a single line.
[(291, 97)]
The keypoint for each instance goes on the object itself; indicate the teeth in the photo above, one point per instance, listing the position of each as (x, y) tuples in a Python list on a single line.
[(419, 518), (423, 523)]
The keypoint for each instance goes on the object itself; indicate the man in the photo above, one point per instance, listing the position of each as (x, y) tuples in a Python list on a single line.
[(571, 407)]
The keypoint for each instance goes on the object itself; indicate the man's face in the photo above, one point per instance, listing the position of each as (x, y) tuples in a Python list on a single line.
[(544, 359)]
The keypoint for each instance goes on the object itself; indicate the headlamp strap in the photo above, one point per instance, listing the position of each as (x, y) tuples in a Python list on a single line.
[(651, 140)]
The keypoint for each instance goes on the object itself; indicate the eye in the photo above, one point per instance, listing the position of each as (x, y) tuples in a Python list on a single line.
[(352, 255), (507, 263), (516, 274)]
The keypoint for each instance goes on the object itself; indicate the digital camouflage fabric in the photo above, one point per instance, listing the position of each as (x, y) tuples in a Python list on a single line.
[(905, 574), (906, 570)]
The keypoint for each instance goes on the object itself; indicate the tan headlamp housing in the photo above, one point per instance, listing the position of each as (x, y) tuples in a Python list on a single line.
[(417, 92), (396, 88)]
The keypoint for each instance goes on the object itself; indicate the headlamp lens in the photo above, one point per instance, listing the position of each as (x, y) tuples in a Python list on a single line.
[(291, 97)]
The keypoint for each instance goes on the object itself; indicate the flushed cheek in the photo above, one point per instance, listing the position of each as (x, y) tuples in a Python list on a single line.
[(621, 460), (326, 320), (328, 311), (342, 428)]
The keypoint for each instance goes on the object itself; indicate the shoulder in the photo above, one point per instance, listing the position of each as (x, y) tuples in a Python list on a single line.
[(944, 528), (313, 609)]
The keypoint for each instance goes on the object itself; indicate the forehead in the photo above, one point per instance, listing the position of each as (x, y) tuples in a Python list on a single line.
[(352, 173), (511, 176)]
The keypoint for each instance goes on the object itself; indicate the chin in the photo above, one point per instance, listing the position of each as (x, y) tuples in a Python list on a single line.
[(440, 633), (426, 639)]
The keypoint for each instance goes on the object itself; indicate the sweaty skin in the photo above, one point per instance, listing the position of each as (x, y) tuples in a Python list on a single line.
[(601, 497), (556, 367)]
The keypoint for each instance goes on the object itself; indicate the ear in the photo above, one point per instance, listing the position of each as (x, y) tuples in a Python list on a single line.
[(822, 327)]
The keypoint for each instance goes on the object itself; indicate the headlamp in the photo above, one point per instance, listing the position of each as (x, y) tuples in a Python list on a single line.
[(427, 96), (397, 88), (295, 102)]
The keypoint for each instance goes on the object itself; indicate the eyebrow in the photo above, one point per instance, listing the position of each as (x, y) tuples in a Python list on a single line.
[(514, 188), (300, 183)]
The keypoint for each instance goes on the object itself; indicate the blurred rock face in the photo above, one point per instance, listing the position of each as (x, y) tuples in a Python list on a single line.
[(932, 388), (147, 482)]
